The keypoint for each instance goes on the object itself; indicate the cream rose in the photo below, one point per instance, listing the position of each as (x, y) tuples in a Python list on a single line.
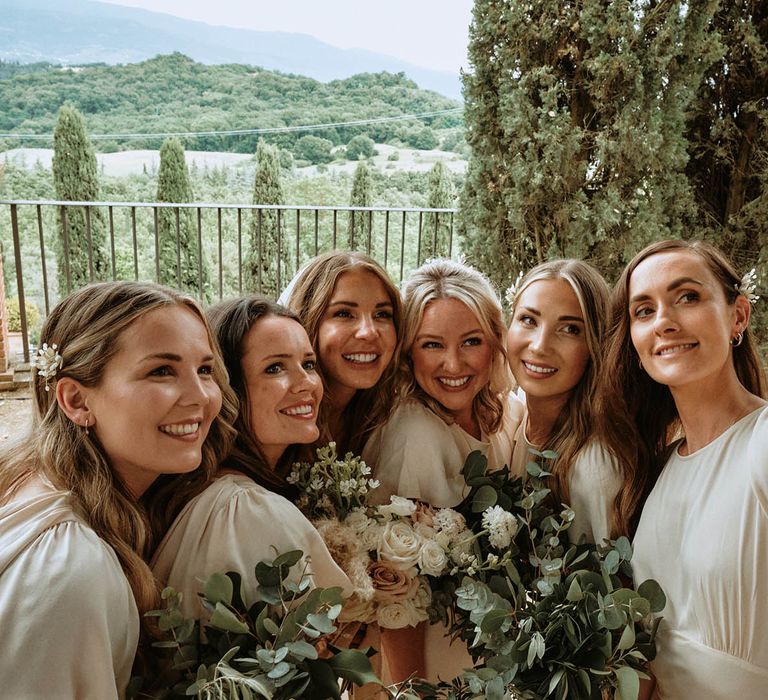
[(395, 616), (399, 506), (356, 610), (400, 545), (432, 558)]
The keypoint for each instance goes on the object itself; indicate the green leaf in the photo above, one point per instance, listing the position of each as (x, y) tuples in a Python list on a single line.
[(301, 649), (320, 622), (224, 619), (574, 591), (353, 665), (652, 592), (485, 497), (323, 681), (218, 589), (475, 465), (271, 626), (493, 620), (628, 683), (556, 678), (627, 640), (288, 559)]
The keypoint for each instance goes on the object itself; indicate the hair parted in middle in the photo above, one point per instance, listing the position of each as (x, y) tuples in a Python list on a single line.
[(231, 320), (638, 416), (576, 423), (309, 299), (448, 279)]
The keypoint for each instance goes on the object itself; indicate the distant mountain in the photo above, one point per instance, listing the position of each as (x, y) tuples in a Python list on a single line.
[(76, 32)]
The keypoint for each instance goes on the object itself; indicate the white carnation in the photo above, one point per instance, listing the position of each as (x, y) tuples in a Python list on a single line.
[(501, 525), (450, 522)]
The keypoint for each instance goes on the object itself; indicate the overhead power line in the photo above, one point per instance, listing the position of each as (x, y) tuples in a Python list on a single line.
[(242, 132)]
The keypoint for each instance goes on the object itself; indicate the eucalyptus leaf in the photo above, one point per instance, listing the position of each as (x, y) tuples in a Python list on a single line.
[(223, 618), (651, 591), (288, 559), (353, 665), (627, 640), (485, 498), (628, 683), (218, 589)]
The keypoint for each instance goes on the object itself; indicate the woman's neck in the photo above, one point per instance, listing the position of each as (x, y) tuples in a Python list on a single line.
[(707, 410), (543, 414)]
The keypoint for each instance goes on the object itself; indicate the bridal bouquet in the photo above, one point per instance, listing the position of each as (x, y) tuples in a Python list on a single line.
[(388, 551), (543, 618)]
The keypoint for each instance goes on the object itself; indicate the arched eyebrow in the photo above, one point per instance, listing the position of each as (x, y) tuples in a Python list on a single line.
[(170, 357), (354, 304), (536, 312), (671, 287)]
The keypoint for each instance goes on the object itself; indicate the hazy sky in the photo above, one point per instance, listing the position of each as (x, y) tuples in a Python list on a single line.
[(429, 33)]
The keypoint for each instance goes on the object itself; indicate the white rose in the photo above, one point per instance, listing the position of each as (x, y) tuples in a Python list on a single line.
[(402, 507), (395, 616), (432, 558), (400, 545)]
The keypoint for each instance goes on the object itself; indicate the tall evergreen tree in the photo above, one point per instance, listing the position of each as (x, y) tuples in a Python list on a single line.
[(359, 222), (267, 259), (181, 261), (575, 114), (436, 233), (75, 179)]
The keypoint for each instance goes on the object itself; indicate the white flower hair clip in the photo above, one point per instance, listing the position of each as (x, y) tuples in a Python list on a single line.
[(748, 286), (48, 362), (511, 293)]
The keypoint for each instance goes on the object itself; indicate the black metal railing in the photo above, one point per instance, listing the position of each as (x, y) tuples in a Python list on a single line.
[(56, 246)]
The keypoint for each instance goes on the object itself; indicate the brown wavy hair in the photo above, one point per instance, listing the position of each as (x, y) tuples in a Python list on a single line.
[(369, 408), (638, 416), (87, 327), (576, 424), (447, 279)]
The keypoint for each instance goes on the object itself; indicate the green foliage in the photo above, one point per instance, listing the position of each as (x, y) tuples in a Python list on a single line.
[(359, 223), (265, 648), (181, 263), (546, 619), (435, 237), (421, 137), (174, 94), (360, 147), (576, 115), (267, 258), (34, 322), (313, 149), (81, 251)]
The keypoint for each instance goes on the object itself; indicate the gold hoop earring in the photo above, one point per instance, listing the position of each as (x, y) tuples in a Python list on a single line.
[(737, 339)]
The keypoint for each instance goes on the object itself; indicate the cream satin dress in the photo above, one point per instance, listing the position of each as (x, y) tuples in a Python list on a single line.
[(68, 618), (703, 535), (231, 526)]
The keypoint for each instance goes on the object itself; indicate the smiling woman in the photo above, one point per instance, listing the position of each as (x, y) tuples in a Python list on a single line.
[(241, 519), (129, 388), (453, 398), (685, 392)]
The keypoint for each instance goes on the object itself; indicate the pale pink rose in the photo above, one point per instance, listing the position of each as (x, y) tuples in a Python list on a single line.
[(400, 545), (390, 583), (395, 616)]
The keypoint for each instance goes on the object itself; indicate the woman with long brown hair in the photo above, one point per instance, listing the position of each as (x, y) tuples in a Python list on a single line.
[(128, 390), (685, 393)]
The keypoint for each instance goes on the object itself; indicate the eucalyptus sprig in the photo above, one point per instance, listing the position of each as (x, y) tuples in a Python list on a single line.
[(270, 648)]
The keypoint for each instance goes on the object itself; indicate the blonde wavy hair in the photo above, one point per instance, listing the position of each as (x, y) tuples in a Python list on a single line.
[(576, 424), (447, 279), (87, 327), (369, 408)]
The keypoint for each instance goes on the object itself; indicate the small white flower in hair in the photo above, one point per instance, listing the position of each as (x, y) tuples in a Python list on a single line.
[(511, 292), (48, 362), (748, 285)]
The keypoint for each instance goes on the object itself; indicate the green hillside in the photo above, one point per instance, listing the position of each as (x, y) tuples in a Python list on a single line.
[(174, 94)]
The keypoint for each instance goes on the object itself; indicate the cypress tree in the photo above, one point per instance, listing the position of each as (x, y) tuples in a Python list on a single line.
[(359, 222), (575, 113), (266, 231), (435, 236), (181, 264), (75, 179)]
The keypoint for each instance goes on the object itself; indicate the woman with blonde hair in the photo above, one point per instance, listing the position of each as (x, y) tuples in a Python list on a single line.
[(127, 398), (685, 391), (241, 519), (351, 312), (454, 398), (554, 345)]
